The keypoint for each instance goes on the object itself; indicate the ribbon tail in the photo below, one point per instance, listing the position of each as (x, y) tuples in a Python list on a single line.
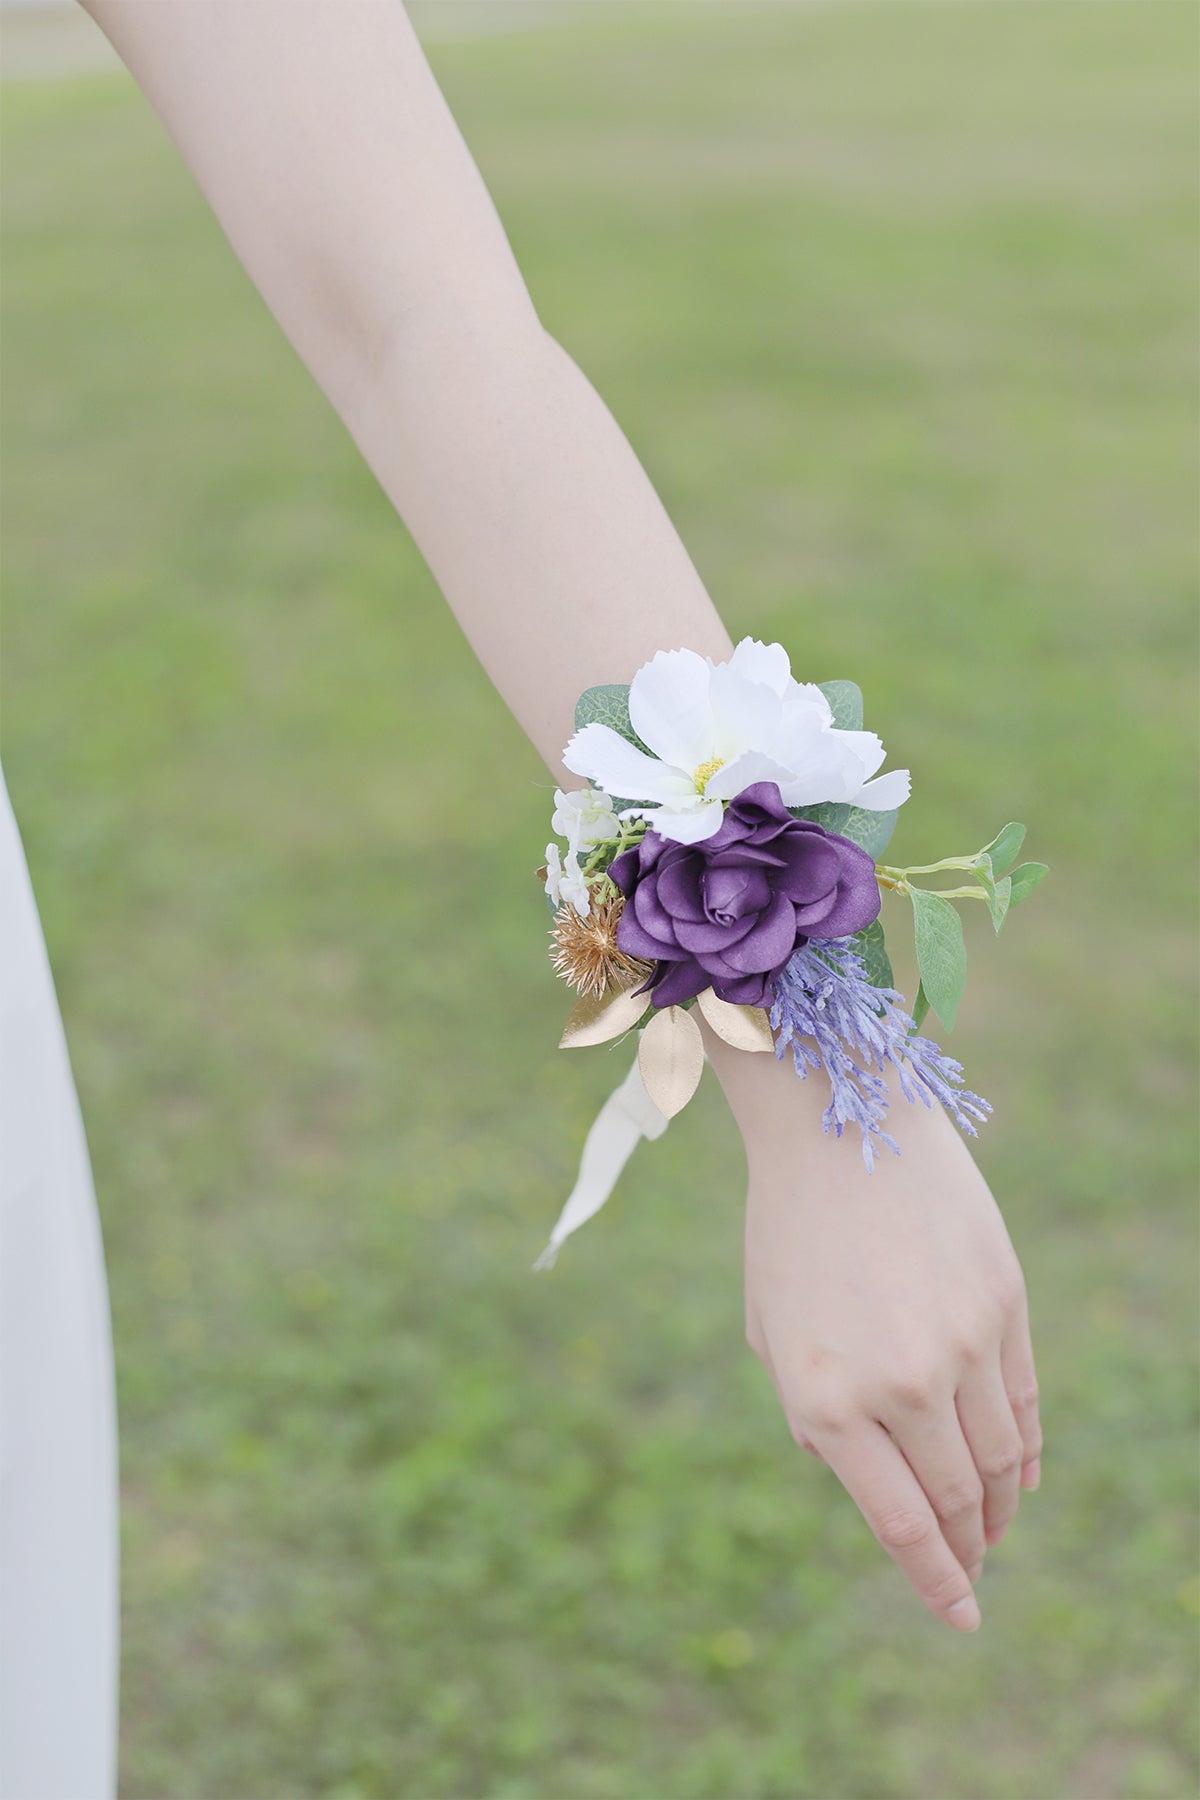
[(627, 1116)]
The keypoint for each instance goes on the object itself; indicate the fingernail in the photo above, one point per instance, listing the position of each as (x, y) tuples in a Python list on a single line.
[(973, 1574), (1031, 1474), (964, 1615), (994, 1534)]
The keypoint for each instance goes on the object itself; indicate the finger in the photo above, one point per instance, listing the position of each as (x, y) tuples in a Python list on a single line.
[(891, 1500), (939, 1456), (991, 1430), (1020, 1381)]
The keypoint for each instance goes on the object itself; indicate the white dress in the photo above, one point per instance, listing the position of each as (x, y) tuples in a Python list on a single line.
[(58, 1501)]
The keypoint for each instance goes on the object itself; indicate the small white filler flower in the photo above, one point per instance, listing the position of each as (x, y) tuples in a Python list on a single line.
[(585, 818), (564, 880)]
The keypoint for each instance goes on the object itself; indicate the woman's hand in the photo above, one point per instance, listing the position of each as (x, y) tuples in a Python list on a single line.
[(889, 1311)]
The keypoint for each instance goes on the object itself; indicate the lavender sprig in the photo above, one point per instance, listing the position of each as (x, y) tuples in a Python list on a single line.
[(826, 1008)]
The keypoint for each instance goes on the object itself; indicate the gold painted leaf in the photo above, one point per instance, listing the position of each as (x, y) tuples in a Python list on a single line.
[(671, 1059), (745, 1027), (595, 1019)]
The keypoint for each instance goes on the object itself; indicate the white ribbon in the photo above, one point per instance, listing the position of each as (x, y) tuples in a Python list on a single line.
[(627, 1116)]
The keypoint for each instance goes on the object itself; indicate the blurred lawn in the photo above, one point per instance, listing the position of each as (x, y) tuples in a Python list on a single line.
[(897, 303)]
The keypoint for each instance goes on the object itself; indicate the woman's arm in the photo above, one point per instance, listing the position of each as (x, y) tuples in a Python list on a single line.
[(324, 146), (889, 1312)]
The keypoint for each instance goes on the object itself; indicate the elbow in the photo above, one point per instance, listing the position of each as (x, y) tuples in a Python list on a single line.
[(429, 336)]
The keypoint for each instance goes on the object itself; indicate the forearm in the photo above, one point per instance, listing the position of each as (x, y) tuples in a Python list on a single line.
[(326, 150), (536, 518)]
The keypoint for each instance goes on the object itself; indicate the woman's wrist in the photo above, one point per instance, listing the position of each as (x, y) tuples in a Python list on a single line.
[(788, 1150), (777, 1115)]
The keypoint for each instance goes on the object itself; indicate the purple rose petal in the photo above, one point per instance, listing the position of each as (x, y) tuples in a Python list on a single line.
[(732, 909)]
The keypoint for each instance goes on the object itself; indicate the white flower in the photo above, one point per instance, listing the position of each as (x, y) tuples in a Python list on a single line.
[(574, 888), (554, 873), (584, 818), (715, 728), (565, 880)]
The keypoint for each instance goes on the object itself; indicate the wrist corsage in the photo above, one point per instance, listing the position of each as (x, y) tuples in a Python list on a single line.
[(726, 854)]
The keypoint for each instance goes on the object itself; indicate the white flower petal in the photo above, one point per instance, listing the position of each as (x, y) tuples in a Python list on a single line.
[(746, 714), (584, 817), (620, 768), (669, 708), (574, 886), (829, 770), (689, 825), (809, 694), (866, 746), (565, 819), (885, 792), (600, 828), (805, 714), (553, 873), (728, 782), (767, 664)]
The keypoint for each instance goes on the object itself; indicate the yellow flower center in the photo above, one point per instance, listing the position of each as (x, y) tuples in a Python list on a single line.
[(704, 774)]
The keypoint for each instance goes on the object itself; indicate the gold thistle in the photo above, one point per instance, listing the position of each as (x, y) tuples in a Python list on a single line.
[(585, 952)]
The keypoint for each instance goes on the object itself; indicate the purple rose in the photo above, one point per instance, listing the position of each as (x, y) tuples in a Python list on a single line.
[(727, 913)]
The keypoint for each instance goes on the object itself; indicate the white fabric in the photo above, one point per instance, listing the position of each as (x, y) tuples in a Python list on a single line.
[(627, 1116), (58, 1513)]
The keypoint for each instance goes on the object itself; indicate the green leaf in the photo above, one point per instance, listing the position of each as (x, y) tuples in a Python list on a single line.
[(832, 814), (1025, 879), (872, 830), (999, 893), (845, 698), (871, 947), (607, 705), (1004, 847), (941, 953), (920, 1006)]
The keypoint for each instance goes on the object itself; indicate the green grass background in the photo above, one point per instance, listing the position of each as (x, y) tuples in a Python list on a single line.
[(897, 302)]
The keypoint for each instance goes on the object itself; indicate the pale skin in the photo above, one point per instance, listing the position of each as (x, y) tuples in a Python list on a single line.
[(888, 1309)]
